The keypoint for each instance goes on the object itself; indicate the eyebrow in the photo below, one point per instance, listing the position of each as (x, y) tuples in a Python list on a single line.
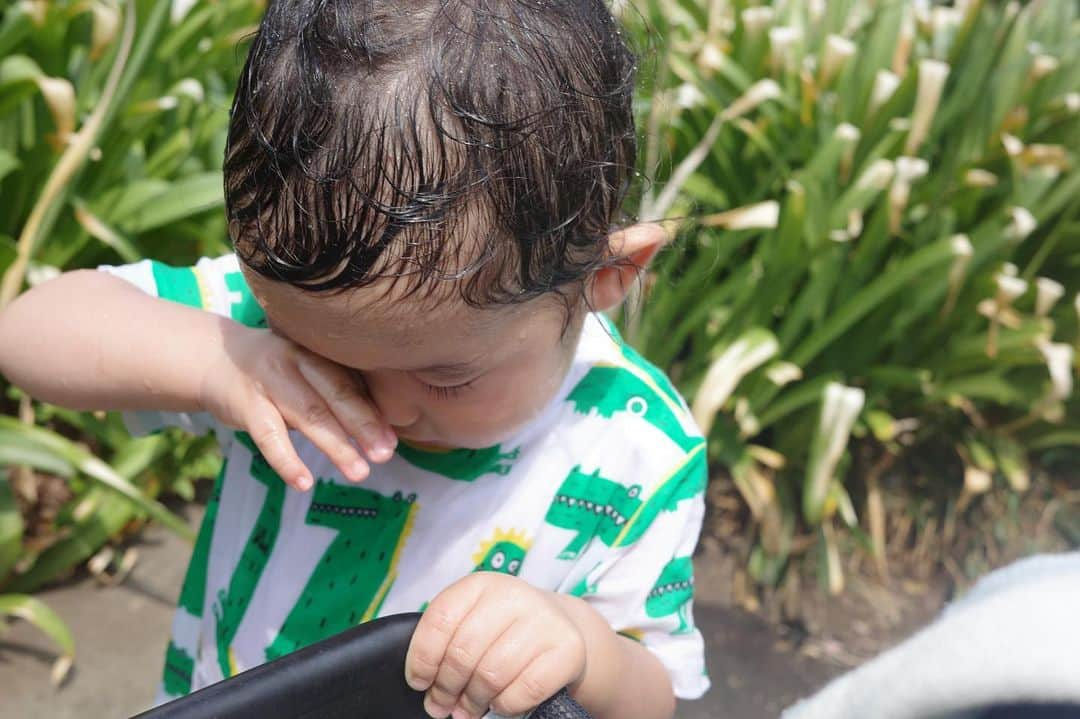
[(449, 369), (454, 369)]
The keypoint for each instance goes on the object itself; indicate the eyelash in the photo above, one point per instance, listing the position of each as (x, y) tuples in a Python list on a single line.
[(447, 392)]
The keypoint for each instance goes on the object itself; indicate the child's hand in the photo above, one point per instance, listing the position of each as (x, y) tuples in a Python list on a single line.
[(493, 640), (265, 384)]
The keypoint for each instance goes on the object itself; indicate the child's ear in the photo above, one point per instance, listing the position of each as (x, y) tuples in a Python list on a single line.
[(636, 245)]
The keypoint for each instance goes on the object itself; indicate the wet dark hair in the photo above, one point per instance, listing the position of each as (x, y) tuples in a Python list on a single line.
[(486, 141)]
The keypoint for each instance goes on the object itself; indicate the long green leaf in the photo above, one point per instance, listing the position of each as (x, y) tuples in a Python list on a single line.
[(8, 163), (41, 616), (185, 198), (40, 442), (18, 448), (887, 284), (11, 528)]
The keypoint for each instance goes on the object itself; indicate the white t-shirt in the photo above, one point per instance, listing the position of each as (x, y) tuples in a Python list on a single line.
[(600, 496)]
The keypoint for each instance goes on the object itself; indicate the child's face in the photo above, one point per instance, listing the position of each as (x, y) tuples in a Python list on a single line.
[(451, 375)]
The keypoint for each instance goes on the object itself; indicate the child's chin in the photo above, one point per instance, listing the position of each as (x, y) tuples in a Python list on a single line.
[(442, 445)]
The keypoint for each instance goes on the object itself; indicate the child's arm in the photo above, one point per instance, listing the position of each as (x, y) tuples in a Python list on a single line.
[(622, 678), (89, 340), (494, 640)]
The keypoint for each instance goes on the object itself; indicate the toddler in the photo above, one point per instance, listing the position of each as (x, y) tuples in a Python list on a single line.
[(419, 404)]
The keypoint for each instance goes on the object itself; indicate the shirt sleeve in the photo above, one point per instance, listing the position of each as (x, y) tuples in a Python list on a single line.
[(212, 284), (645, 585)]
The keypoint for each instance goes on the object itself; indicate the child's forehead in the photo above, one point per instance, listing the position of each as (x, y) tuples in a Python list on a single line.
[(386, 327), (397, 306)]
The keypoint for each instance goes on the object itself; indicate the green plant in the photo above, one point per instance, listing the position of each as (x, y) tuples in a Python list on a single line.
[(880, 213), (113, 115)]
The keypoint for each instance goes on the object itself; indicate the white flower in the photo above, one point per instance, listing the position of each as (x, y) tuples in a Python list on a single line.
[(761, 91), (1043, 65), (847, 132), (763, 215), (59, 95), (909, 169), (1010, 270), (905, 38), (749, 425), (839, 410), (1050, 159), (976, 177), (757, 19), (1072, 102), (1047, 293), (106, 24), (189, 87), (687, 95), (885, 84), (36, 274), (711, 57), (854, 223), (962, 252), (961, 247), (1013, 145), (1059, 362), (1010, 288), (932, 75), (838, 50), (976, 481), (782, 41), (878, 175), (1023, 224), (752, 349), (180, 9), (783, 373), (922, 11), (945, 18)]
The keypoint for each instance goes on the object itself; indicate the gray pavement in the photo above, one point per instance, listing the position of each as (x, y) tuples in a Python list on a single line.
[(120, 634)]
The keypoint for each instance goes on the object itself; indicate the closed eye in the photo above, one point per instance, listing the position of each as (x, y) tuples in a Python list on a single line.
[(447, 392)]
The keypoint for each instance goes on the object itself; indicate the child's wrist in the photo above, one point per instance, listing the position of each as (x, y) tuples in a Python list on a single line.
[(218, 358), (597, 682)]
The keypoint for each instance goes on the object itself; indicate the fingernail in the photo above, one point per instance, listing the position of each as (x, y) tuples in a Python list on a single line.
[(415, 682), (358, 471), (304, 482), (390, 437), (380, 452), (434, 710), (382, 448)]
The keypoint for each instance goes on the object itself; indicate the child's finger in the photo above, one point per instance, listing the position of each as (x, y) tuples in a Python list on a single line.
[(537, 682), (355, 412), (271, 436), (304, 409), (477, 631), (434, 631), (504, 660)]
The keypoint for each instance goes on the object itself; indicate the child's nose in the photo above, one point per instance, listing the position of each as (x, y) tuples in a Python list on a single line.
[(392, 399)]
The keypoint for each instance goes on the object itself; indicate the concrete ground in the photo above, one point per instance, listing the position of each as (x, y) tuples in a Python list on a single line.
[(120, 634)]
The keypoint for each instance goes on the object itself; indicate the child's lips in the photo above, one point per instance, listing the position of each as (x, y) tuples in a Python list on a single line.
[(423, 443)]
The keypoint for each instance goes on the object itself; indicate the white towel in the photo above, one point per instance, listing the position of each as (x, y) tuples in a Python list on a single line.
[(1014, 637)]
